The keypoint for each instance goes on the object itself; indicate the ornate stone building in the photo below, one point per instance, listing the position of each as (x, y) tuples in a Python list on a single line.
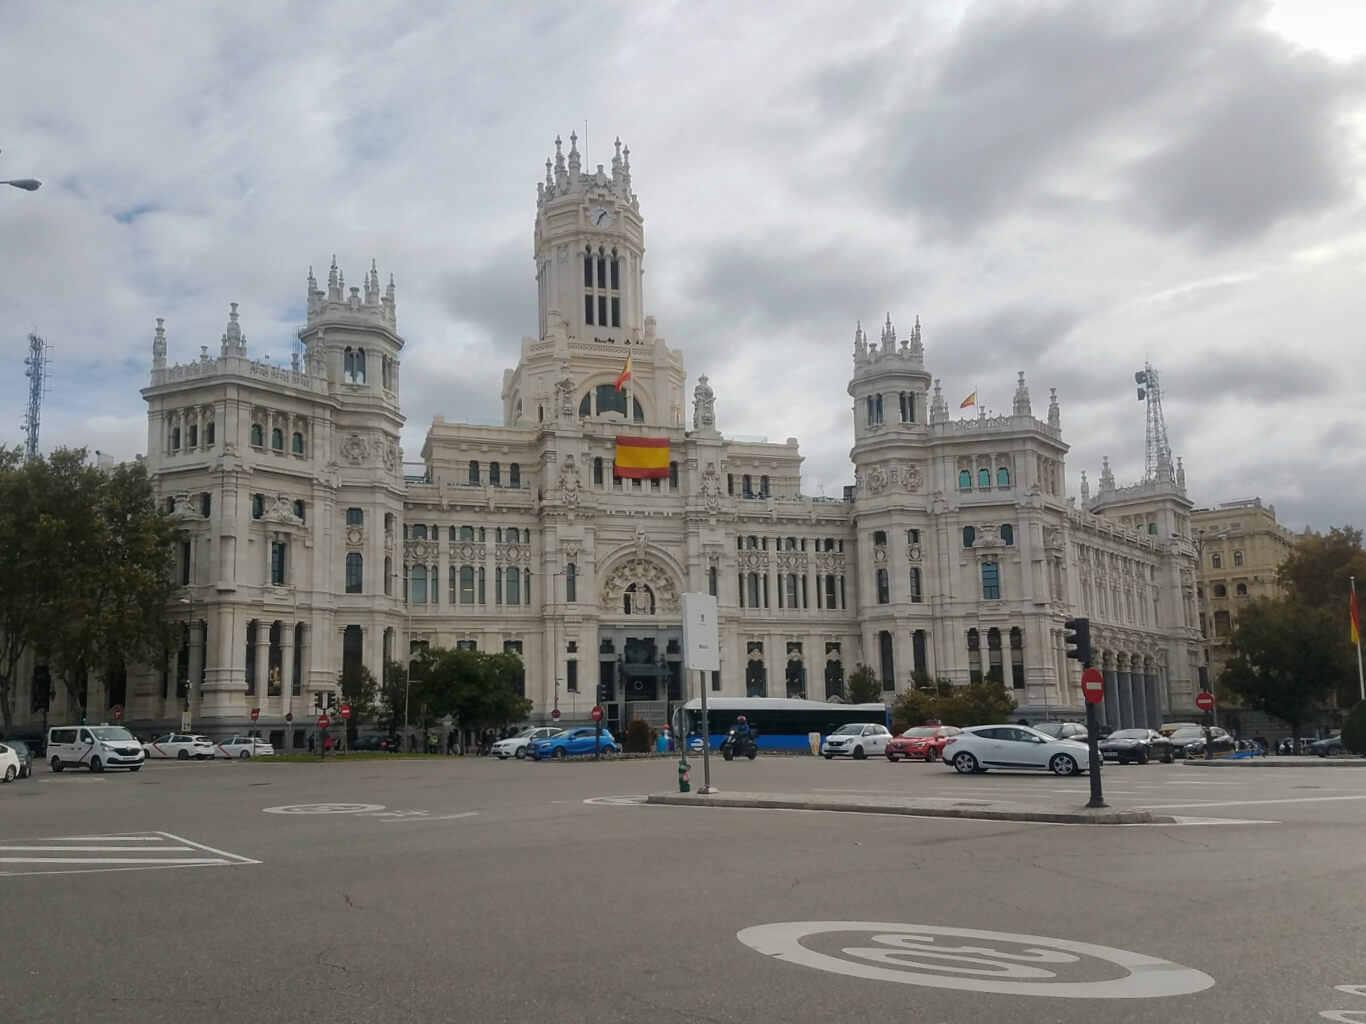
[(956, 552)]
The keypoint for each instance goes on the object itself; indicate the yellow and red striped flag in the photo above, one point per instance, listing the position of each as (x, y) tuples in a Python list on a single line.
[(642, 458), (625, 374), (970, 400)]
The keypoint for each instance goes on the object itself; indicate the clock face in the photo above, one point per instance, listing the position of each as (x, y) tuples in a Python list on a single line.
[(600, 217)]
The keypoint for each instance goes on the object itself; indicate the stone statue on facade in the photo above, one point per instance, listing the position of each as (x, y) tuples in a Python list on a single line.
[(704, 405), (711, 488), (569, 482)]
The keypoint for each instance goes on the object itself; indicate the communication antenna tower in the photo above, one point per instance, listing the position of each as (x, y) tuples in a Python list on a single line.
[(35, 369), (1158, 453)]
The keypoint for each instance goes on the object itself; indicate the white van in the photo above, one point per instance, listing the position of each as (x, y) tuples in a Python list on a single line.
[(96, 747)]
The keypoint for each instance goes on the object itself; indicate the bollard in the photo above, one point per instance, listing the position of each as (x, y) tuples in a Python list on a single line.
[(684, 780)]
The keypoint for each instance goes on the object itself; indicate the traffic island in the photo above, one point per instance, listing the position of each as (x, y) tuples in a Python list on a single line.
[(1278, 761), (863, 804)]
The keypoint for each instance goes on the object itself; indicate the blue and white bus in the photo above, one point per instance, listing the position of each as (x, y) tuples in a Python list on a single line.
[(782, 723)]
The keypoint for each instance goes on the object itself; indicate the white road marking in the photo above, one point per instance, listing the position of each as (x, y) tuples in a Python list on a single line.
[(617, 801), (1029, 966), (438, 817), (337, 808), (1254, 803), (75, 855), (97, 849), (112, 860)]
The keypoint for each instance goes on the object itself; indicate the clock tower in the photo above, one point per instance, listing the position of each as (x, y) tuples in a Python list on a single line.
[(590, 246)]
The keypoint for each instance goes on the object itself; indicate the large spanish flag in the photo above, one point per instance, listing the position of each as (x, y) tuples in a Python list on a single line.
[(625, 374), (642, 458)]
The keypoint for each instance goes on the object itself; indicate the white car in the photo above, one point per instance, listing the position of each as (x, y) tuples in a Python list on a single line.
[(9, 763), (95, 747), (181, 746), (1013, 747), (242, 747), (856, 740), (519, 746)]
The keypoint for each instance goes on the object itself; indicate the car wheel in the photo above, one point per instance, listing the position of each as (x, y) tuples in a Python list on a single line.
[(521, 754), (56, 763), (965, 763), (1062, 764), (828, 757), (96, 765), (892, 757), (243, 756), (859, 754), (26, 772), (558, 753), (1167, 757), (135, 768), (10, 773), (184, 755), (609, 751), (1142, 757), (931, 755)]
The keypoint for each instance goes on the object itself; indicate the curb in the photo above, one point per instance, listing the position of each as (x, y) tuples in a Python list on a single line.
[(1117, 817), (1272, 762)]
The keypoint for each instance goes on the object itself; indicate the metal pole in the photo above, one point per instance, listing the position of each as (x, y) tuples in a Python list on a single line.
[(1361, 680), (1092, 745), (706, 737)]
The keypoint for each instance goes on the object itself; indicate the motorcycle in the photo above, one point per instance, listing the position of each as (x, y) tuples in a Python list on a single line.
[(736, 744)]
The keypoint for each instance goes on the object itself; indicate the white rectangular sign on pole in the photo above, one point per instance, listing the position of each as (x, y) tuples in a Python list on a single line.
[(701, 640)]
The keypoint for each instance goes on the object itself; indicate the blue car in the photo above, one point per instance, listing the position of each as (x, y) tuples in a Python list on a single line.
[(572, 742)]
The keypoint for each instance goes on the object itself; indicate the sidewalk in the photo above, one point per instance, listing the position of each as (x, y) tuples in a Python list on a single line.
[(1278, 761), (923, 807)]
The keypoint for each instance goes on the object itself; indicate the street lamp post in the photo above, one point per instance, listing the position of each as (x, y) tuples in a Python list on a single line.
[(188, 600), (26, 184)]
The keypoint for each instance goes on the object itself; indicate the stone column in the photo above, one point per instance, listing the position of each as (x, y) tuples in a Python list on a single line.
[(1109, 707), (287, 678), (192, 685), (262, 665), (1124, 687), (1154, 694)]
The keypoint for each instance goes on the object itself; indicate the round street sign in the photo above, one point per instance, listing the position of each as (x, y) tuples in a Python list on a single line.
[(118, 712), (555, 714), (289, 716), (323, 722), (1093, 686), (345, 711), (1204, 700), (597, 713), (255, 714)]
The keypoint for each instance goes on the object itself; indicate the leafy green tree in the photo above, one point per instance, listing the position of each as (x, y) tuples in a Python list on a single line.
[(1354, 729), (864, 686), (394, 695), (475, 688), (1286, 658), (983, 703), (1317, 570), (25, 588), (359, 691)]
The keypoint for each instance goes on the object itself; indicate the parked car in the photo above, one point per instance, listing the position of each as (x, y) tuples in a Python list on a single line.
[(1190, 741), (9, 763), (1327, 747), (921, 743), (1062, 730), (519, 745), (241, 747), (980, 747), (1168, 728), (572, 743), (856, 740), (1137, 746), (377, 744), (25, 757), (180, 746), (34, 739), (95, 747)]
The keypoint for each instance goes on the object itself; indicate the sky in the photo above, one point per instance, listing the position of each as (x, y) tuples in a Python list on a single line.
[(1068, 188)]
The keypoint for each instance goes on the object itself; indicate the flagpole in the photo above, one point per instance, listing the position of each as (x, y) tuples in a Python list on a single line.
[(1361, 679)]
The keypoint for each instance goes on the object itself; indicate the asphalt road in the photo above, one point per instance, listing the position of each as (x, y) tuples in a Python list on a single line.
[(464, 889)]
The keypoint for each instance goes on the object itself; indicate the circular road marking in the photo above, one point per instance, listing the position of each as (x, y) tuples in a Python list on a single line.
[(617, 801), (324, 809), (910, 955)]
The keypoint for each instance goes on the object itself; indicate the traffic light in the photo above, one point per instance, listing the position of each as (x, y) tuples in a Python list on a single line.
[(1077, 637), (602, 693)]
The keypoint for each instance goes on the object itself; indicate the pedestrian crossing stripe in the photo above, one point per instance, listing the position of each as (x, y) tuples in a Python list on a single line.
[(128, 851)]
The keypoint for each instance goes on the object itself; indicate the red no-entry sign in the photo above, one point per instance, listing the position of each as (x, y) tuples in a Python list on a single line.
[(323, 723), (118, 712), (555, 714), (1204, 700), (255, 714), (1093, 686), (596, 713), (345, 711)]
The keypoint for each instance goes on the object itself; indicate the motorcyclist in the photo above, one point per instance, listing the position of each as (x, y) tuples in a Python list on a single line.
[(741, 728)]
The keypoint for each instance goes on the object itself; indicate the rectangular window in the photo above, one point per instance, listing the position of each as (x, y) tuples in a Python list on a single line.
[(916, 596), (754, 590), (467, 645), (186, 563), (588, 271), (355, 517), (792, 590), (602, 309), (884, 642), (616, 308), (588, 309), (741, 589), (912, 536), (918, 645), (1017, 672), (467, 584), (602, 271), (883, 594), (711, 581), (616, 275), (353, 572), (571, 675), (495, 475), (715, 682), (277, 563), (515, 475), (571, 583), (991, 582), (514, 587)]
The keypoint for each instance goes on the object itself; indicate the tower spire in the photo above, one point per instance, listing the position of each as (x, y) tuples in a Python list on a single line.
[(575, 164), (561, 175), (333, 291), (159, 345)]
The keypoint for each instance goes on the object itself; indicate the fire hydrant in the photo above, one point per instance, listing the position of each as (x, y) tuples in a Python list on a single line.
[(684, 780)]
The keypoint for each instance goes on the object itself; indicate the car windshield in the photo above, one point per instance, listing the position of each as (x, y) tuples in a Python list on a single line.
[(112, 733), (1129, 734), (17, 745), (849, 730), (522, 732), (920, 730), (1194, 733)]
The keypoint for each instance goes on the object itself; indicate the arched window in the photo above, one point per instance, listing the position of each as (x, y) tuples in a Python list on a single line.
[(300, 509), (964, 480), (1241, 590), (1237, 555), (296, 443), (354, 576), (673, 476), (1220, 590), (474, 471), (175, 439), (1221, 623), (495, 474), (638, 599), (1007, 534), (1216, 560), (258, 506), (467, 533), (205, 504), (974, 656), (995, 673), (1002, 477), (597, 470), (418, 583), (514, 535), (586, 406), (388, 576), (277, 439), (258, 435), (353, 365), (969, 536), (515, 474), (984, 478), (1017, 674)]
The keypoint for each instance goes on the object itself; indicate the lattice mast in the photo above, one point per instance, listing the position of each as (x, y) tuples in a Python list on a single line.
[(35, 369), (1158, 450)]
